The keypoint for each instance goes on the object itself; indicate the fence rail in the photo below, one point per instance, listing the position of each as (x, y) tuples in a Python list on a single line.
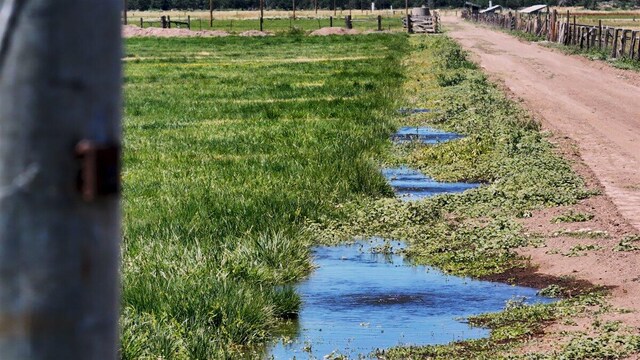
[(563, 29)]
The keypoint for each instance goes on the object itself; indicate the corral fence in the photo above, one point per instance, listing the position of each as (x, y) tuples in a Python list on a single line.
[(373, 23), (563, 29)]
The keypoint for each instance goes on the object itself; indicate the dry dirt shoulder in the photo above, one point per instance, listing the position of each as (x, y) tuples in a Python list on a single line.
[(589, 102), (594, 112)]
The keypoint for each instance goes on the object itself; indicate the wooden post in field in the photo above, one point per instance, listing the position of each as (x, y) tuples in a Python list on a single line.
[(379, 22), (294, 9), (141, 23), (261, 15), (330, 21), (210, 13), (60, 110), (126, 9)]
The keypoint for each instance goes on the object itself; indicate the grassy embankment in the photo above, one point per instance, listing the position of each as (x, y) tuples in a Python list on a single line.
[(231, 144), (475, 233)]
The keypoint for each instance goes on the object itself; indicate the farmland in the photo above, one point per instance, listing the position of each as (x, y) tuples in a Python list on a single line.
[(243, 153), (231, 145), (274, 20)]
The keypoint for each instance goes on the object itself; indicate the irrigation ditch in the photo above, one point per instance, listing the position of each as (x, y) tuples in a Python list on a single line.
[(475, 231)]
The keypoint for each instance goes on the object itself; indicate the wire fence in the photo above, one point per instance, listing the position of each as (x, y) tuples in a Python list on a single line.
[(564, 29), (272, 24)]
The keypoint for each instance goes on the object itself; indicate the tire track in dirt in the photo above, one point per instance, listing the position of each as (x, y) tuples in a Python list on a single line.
[(596, 106)]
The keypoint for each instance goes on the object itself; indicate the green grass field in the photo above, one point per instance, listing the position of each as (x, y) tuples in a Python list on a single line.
[(281, 24), (231, 144), (242, 152)]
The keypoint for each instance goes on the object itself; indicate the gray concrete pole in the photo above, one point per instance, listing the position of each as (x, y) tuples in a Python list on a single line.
[(60, 83)]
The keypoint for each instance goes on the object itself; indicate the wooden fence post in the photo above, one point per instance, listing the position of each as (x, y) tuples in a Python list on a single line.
[(600, 34), (261, 15), (614, 45), (379, 22), (575, 31), (141, 23), (623, 43), (330, 21), (125, 11), (567, 39), (347, 22), (163, 21), (210, 13), (60, 112)]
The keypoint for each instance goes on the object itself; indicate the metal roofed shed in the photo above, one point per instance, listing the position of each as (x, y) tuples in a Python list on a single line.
[(534, 9), (472, 5), (491, 9)]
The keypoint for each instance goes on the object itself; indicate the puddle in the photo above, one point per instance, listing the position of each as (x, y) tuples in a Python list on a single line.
[(409, 111), (410, 184), (425, 135), (358, 301)]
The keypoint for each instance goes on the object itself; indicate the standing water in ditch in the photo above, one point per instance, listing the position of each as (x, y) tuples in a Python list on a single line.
[(361, 298), (410, 184)]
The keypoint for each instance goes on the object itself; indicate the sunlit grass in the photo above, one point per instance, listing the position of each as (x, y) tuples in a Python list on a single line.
[(224, 161)]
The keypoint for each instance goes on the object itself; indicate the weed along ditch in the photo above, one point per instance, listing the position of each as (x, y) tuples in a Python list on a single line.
[(366, 296)]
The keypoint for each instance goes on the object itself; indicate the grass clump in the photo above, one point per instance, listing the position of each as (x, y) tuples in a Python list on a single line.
[(572, 216), (231, 144)]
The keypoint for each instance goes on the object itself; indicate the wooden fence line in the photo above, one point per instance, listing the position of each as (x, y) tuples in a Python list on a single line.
[(563, 29), (197, 23)]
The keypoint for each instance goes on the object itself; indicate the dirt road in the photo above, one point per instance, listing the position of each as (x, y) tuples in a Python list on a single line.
[(591, 103)]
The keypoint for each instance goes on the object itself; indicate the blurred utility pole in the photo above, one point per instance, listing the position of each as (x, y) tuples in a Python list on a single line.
[(60, 109)]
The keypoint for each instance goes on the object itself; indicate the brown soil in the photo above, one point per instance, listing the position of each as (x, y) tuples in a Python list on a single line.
[(593, 112), (135, 31), (334, 31), (593, 104)]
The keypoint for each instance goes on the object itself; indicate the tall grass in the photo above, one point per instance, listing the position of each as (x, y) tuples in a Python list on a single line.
[(230, 145)]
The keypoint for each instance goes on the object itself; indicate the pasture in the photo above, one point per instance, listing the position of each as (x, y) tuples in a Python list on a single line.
[(274, 20), (242, 153), (231, 145)]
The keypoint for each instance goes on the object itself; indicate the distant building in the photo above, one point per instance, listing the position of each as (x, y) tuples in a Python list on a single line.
[(474, 9), (492, 10), (534, 9)]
